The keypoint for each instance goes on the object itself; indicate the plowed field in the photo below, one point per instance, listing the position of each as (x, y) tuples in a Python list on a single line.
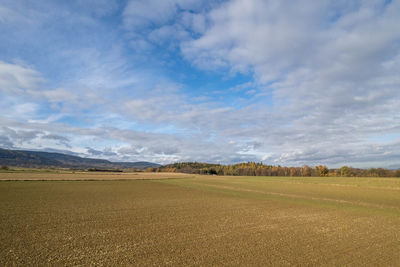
[(198, 220)]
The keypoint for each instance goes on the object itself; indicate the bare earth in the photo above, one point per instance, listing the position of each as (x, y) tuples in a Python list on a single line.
[(153, 219), (82, 176)]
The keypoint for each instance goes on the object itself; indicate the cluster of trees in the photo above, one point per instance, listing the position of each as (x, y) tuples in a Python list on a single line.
[(259, 169), (4, 168)]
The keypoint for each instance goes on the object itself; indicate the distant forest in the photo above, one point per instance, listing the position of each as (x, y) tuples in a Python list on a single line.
[(259, 169)]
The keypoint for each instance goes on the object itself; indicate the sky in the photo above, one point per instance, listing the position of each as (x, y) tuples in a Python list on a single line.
[(273, 81)]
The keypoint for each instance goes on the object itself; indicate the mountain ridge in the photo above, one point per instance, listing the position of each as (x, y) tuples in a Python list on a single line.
[(27, 158)]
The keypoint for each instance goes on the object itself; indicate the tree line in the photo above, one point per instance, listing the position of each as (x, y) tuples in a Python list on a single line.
[(260, 169)]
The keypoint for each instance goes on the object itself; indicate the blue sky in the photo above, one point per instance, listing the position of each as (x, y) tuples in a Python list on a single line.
[(282, 82)]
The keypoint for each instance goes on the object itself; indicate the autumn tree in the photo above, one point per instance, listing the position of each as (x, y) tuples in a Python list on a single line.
[(322, 170), (306, 170), (345, 171)]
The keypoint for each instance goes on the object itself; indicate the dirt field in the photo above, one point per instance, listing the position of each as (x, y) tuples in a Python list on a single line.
[(198, 220), (85, 176)]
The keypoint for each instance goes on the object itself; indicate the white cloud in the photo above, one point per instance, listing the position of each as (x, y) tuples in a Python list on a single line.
[(16, 79)]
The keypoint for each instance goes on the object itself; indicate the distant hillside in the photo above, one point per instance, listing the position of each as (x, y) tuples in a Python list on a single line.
[(36, 159)]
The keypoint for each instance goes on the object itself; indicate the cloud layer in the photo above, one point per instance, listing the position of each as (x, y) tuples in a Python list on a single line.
[(216, 81)]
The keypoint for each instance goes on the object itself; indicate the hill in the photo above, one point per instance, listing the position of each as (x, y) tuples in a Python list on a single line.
[(38, 159)]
